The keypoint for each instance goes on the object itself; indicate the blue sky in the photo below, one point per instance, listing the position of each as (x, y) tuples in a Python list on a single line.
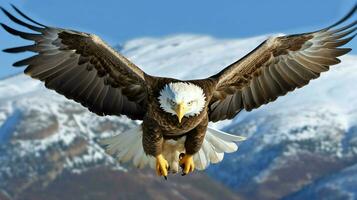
[(117, 21)]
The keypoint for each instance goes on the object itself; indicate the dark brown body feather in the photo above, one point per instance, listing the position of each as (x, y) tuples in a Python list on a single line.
[(84, 68)]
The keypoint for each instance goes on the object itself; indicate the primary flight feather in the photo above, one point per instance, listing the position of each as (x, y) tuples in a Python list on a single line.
[(175, 113)]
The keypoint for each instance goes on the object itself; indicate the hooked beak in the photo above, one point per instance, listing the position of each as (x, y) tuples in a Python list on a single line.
[(180, 111)]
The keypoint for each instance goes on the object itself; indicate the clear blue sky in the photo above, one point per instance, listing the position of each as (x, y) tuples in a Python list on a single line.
[(119, 20)]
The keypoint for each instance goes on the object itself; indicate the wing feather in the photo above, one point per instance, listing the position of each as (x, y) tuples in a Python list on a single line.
[(277, 66), (81, 67)]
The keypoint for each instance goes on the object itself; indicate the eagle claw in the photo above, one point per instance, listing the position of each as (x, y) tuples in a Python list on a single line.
[(187, 164), (162, 166)]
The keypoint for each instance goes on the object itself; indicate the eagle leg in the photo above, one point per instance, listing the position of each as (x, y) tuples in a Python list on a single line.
[(187, 164), (162, 166)]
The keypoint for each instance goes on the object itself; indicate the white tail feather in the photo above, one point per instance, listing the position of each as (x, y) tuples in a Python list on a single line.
[(215, 144), (128, 146)]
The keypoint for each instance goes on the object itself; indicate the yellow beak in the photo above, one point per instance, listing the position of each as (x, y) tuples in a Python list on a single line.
[(180, 111)]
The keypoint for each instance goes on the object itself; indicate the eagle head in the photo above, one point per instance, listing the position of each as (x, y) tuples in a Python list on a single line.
[(182, 99)]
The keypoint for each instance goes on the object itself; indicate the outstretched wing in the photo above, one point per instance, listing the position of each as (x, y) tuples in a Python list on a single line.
[(81, 67), (277, 66)]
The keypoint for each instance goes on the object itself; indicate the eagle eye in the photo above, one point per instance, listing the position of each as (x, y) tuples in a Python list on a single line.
[(171, 102)]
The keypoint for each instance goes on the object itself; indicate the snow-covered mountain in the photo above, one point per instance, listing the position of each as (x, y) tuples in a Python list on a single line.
[(304, 145)]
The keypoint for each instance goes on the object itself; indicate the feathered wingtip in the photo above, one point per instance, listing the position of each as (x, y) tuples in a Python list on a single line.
[(345, 18), (25, 16), (341, 21), (36, 26)]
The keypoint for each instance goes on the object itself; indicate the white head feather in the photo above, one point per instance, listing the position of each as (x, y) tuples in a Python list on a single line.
[(189, 94)]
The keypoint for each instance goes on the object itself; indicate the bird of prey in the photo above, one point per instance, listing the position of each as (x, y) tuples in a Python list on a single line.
[(174, 134)]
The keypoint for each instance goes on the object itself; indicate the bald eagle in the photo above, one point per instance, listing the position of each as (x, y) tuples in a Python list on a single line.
[(175, 113)]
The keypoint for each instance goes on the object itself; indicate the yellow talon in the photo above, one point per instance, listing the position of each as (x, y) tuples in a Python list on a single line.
[(161, 166), (187, 164)]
